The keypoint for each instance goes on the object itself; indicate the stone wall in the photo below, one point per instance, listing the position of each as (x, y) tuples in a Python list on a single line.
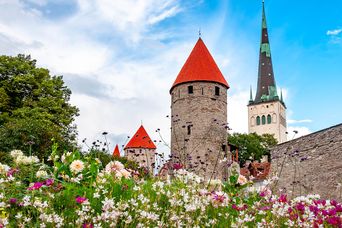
[(311, 164), (144, 157), (199, 127)]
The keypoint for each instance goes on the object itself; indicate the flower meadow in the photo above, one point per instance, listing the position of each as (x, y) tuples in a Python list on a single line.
[(77, 190)]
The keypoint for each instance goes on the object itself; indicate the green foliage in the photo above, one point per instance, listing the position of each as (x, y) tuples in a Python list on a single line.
[(34, 108), (252, 146)]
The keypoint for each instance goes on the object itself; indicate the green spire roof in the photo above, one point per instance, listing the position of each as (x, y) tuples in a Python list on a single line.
[(266, 89), (250, 96)]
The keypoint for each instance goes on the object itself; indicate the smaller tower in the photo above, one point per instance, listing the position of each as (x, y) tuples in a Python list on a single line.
[(116, 152), (141, 149), (266, 113)]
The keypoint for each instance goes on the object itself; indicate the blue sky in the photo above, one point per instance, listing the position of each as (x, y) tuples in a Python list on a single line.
[(120, 57)]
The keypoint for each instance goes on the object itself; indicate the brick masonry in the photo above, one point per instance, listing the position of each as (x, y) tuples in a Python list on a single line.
[(311, 164), (199, 127)]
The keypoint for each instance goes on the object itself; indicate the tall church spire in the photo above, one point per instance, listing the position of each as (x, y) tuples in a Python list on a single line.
[(266, 90)]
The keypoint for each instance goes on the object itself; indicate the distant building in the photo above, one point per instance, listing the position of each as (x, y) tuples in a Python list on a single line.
[(141, 149), (116, 152), (267, 112), (199, 115)]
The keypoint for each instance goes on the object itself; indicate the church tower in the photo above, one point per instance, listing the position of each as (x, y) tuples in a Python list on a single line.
[(267, 112), (199, 115)]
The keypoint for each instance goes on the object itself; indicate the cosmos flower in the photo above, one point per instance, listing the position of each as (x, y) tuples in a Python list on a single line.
[(80, 199), (77, 166)]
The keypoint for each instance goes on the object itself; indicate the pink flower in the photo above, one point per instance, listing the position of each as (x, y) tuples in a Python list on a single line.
[(49, 182), (177, 166), (87, 225), (80, 199), (314, 209), (282, 198), (265, 192), (12, 171), (300, 207), (265, 208), (244, 207), (219, 197), (35, 186), (335, 221), (13, 201)]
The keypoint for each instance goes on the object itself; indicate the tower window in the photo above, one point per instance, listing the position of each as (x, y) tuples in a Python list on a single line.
[(189, 129), (190, 89), (217, 91), (258, 120), (202, 91), (269, 119), (263, 120)]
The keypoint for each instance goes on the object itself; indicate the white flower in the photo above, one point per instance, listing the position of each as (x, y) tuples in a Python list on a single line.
[(125, 173), (118, 174), (4, 168), (114, 166), (22, 159), (16, 153), (242, 180), (41, 174), (77, 166)]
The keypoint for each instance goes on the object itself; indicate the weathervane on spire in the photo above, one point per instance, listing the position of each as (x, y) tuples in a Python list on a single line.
[(199, 33)]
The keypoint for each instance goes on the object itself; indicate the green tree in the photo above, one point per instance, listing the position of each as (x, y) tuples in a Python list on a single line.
[(252, 146), (34, 108)]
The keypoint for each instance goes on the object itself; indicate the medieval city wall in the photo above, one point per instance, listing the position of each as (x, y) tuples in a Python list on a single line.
[(311, 164)]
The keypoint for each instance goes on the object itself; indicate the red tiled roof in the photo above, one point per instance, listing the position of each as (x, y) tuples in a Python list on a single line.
[(200, 66), (116, 152), (141, 140)]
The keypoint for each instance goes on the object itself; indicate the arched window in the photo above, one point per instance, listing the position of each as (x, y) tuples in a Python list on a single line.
[(269, 119), (274, 118), (263, 120), (258, 120), (252, 121)]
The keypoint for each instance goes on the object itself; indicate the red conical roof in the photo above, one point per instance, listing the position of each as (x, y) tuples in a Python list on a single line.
[(141, 140), (200, 66), (116, 152)]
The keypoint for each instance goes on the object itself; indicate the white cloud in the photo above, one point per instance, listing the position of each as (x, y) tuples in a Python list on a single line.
[(334, 32), (100, 51), (290, 121), (296, 132), (237, 111)]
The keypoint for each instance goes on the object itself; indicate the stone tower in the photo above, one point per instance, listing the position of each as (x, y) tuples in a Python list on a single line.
[(267, 112), (141, 149), (199, 115)]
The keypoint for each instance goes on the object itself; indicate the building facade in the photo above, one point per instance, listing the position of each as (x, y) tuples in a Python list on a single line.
[(267, 111), (199, 115), (141, 149)]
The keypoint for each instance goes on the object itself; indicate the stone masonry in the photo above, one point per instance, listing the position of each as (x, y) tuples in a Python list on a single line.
[(268, 118), (199, 127), (142, 156), (311, 164)]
